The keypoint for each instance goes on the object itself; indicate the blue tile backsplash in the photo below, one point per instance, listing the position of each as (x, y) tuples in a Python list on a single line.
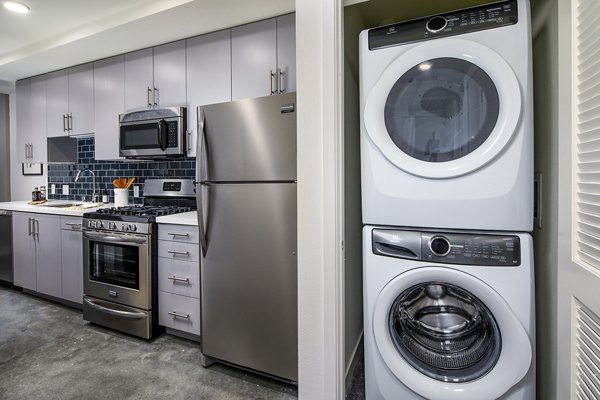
[(107, 171)]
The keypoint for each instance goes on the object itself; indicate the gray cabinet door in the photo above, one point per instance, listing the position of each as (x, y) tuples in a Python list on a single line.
[(138, 79), (286, 52), (23, 93), (72, 265), (109, 102), (57, 103), (81, 99), (253, 58), (23, 250), (169, 75), (248, 277), (208, 76), (37, 115), (48, 254)]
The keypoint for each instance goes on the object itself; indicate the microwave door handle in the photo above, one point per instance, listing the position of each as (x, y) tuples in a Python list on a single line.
[(163, 130)]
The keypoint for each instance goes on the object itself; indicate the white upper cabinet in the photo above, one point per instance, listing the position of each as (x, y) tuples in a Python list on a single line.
[(109, 102), (70, 101), (31, 120), (286, 53), (81, 99), (254, 59), (139, 78), (208, 76), (264, 57), (155, 77), (57, 103), (169, 75)]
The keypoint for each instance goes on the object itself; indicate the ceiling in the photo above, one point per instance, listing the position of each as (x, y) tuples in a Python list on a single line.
[(61, 33)]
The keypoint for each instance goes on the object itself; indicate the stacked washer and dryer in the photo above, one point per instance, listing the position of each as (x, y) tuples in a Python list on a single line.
[(447, 195)]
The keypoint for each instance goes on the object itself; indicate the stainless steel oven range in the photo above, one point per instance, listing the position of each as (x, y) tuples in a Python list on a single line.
[(120, 258)]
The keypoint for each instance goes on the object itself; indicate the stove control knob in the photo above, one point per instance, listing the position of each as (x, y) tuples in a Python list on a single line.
[(124, 227), (133, 227), (112, 225), (100, 224)]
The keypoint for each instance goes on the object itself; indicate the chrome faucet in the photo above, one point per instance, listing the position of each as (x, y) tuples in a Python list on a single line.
[(93, 182)]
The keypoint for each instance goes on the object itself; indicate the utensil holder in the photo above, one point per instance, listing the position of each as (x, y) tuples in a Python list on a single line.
[(121, 197)]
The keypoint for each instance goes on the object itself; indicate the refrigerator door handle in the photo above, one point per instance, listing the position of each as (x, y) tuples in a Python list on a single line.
[(201, 167)]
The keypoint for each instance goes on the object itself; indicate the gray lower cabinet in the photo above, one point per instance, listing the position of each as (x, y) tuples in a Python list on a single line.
[(37, 256), (72, 259), (179, 279)]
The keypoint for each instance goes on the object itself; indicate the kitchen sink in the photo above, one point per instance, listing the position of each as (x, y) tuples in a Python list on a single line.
[(61, 205)]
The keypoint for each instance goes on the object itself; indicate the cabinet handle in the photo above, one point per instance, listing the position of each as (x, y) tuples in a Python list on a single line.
[(176, 279), (271, 77), (70, 122), (73, 224), (64, 122), (36, 228), (29, 226), (31, 151), (155, 97), (26, 151), (177, 315), (178, 253), (189, 141), (148, 96), (280, 80), (178, 234)]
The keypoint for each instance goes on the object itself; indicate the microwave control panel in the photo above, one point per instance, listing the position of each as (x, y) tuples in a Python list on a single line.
[(172, 134)]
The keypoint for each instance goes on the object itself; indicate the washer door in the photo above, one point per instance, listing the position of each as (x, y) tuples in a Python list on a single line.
[(447, 115), (449, 336)]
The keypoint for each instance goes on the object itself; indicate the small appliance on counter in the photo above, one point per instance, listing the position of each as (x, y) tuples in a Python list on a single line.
[(120, 247)]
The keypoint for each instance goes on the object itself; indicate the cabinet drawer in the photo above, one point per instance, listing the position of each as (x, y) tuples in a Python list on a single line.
[(179, 277), (71, 223), (178, 233), (179, 312), (178, 251)]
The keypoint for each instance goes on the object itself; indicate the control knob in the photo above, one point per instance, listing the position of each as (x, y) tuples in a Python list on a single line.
[(440, 246), (436, 24)]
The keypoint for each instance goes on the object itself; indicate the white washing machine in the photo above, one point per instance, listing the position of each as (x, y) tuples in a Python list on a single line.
[(448, 316), (446, 130)]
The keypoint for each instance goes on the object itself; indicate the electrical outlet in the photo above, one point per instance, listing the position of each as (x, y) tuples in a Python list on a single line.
[(53, 189), (136, 191), (65, 189)]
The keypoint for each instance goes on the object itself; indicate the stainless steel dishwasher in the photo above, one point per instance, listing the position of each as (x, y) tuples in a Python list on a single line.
[(6, 252)]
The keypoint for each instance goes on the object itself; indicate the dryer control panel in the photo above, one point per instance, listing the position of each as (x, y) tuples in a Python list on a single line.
[(454, 23), (449, 248)]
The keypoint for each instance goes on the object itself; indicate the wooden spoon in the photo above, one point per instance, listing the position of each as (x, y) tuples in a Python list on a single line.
[(117, 183), (130, 182), (123, 183)]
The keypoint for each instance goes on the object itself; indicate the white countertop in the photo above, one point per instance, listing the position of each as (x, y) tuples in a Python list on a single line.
[(188, 218), (44, 209)]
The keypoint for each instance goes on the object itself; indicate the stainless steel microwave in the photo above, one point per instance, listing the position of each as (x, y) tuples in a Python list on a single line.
[(156, 133)]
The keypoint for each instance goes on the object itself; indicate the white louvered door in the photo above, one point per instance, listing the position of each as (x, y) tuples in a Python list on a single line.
[(579, 201)]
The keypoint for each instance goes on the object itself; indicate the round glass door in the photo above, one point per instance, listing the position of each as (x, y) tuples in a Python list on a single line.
[(441, 109), (445, 332), (447, 116)]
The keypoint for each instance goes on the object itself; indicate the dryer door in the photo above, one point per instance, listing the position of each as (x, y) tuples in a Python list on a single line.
[(444, 115), (449, 336)]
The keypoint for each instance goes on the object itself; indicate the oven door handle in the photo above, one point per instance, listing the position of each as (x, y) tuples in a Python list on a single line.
[(114, 238), (117, 313)]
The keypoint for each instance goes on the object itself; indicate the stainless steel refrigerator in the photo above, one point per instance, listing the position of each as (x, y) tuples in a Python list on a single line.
[(246, 166)]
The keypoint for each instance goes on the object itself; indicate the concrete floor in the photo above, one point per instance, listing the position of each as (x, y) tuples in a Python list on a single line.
[(47, 351)]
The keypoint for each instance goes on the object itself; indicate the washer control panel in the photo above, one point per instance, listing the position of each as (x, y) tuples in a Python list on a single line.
[(448, 248), (454, 23), (469, 249)]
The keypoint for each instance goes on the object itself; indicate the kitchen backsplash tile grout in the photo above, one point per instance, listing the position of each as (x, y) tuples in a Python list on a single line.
[(107, 171)]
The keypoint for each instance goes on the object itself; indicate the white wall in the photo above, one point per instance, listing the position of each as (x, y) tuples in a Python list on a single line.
[(320, 199), (545, 76)]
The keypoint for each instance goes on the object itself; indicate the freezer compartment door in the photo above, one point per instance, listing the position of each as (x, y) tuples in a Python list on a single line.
[(249, 140), (249, 277)]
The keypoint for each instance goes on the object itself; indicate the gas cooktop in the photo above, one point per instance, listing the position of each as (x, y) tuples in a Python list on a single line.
[(136, 213)]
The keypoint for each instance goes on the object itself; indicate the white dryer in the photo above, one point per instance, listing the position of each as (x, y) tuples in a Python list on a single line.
[(448, 316), (446, 130)]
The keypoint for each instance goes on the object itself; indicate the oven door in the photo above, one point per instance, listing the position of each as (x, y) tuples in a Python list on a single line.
[(156, 138), (117, 268)]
